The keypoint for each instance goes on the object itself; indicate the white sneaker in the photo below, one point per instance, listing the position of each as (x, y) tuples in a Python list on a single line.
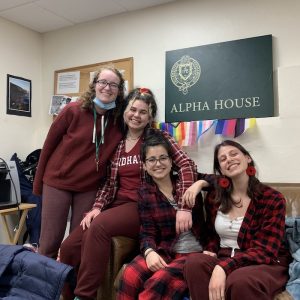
[(32, 247)]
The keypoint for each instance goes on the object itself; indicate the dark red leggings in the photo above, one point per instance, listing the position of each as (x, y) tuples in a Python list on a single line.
[(88, 251)]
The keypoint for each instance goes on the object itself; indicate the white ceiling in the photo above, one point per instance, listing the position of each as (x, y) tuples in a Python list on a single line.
[(47, 15)]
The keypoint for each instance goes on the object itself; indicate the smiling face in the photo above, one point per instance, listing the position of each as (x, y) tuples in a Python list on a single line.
[(137, 115), (232, 161), (158, 164), (107, 93)]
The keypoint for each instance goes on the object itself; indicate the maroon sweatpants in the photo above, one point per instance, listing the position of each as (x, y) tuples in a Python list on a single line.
[(55, 210), (88, 251), (261, 282)]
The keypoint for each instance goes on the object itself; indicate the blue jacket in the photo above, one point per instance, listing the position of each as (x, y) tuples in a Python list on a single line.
[(28, 275), (293, 238)]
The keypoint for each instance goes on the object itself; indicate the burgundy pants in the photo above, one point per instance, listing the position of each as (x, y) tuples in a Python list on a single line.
[(88, 251), (55, 209), (261, 282)]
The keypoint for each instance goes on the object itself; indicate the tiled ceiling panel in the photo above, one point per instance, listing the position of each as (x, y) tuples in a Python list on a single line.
[(47, 15)]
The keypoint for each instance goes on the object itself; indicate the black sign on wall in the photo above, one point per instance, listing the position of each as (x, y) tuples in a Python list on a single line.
[(220, 81)]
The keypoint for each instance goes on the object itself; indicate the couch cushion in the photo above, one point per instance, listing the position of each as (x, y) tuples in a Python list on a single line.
[(283, 296), (291, 192)]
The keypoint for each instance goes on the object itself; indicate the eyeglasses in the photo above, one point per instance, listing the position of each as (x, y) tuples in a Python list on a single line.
[(163, 159), (103, 83)]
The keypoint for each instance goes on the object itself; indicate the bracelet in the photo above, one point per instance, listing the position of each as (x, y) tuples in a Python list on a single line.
[(145, 255)]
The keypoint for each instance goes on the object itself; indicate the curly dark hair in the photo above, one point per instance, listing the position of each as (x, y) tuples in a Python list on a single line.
[(142, 94), (154, 137)]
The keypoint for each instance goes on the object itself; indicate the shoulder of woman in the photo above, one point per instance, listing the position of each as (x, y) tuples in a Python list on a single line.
[(147, 188), (71, 108), (75, 104), (146, 194), (70, 111), (269, 191), (271, 195)]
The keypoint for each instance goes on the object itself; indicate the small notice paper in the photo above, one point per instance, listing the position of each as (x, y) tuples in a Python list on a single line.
[(68, 82)]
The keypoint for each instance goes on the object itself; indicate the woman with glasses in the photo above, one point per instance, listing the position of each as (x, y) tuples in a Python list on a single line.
[(115, 211), (75, 154), (157, 272)]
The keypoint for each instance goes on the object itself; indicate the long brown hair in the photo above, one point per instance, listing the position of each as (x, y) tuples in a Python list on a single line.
[(88, 96), (223, 195)]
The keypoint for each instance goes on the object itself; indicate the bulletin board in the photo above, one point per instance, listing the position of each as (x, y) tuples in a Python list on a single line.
[(74, 81)]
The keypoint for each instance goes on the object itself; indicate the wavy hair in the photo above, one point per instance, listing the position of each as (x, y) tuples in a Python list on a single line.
[(88, 96), (142, 94), (154, 137)]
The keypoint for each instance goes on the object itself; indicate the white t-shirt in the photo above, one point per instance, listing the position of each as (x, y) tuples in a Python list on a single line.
[(228, 230)]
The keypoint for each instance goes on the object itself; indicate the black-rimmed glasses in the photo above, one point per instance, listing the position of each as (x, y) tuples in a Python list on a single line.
[(163, 159), (103, 83)]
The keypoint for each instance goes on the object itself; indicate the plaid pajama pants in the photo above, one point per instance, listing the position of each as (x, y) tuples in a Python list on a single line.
[(138, 282)]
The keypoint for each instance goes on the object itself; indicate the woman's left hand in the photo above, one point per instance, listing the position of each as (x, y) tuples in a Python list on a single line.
[(189, 197), (89, 217), (155, 262), (184, 221), (216, 287)]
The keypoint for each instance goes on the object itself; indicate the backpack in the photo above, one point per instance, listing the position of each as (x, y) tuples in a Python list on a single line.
[(26, 172)]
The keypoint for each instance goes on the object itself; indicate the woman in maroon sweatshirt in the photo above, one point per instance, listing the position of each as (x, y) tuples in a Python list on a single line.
[(75, 154)]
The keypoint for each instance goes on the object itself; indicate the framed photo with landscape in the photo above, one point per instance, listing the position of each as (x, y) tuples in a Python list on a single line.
[(18, 96)]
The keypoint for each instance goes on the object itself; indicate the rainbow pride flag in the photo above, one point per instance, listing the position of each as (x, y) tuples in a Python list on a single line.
[(187, 133)]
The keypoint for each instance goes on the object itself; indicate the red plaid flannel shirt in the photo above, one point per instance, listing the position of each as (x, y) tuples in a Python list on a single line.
[(186, 168), (261, 234), (158, 219)]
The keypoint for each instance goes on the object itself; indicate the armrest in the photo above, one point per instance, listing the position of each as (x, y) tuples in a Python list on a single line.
[(123, 249)]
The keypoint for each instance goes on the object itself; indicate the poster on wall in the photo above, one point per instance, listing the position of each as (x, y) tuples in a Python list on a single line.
[(225, 80), (58, 102), (18, 96)]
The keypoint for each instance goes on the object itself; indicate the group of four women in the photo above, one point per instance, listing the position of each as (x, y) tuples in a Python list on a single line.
[(150, 188)]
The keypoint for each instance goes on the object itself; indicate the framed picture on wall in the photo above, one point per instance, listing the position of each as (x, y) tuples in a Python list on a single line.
[(18, 96)]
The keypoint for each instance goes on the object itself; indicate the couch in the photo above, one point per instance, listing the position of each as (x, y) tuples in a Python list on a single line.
[(291, 192), (124, 249)]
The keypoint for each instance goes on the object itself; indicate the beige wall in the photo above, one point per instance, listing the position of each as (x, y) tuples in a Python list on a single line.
[(147, 35), (21, 55)]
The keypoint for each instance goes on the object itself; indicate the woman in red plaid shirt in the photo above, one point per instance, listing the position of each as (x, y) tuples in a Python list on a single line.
[(246, 257), (157, 272)]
